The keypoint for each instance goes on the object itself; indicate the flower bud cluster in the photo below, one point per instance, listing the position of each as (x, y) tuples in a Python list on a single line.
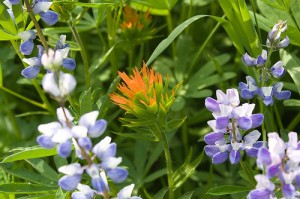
[(231, 119), (280, 161), (273, 90)]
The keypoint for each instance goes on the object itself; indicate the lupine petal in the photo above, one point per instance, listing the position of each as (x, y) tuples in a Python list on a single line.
[(219, 157), (71, 169), (117, 175), (234, 156), (250, 61), (64, 115), (45, 141), (26, 47), (85, 142), (222, 122), (257, 120), (246, 94), (264, 156), (100, 148), (284, 43), (245, 123), (69, 183), (69, 63), (50, 85), (41, 7), (62, 135), (14, 2), (30, 72), (212, 104), (288, 191), (268, 100), (49, 17), (97, 129), (100, 183), (272, 171), (211, 150), (64, 149), (79, 131), (110, 162), (297, 180), (211, 138), (49, 129), (88, 119), (27, 35), (110, 151), (259, 194), (252, 137), (283, 95), (125, 192), (34, 61)]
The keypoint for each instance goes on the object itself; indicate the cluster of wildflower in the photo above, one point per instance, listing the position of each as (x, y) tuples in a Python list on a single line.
[(231, 119), (267, 93), (279, 161)]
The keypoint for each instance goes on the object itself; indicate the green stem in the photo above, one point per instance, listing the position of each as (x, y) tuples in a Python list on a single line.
[(36, 25), (263, 128), (170, 29), (23, 98), (83, 54), (199, 52), (46, 104), (169, 164), (294, 123), (111, 41), (277, 115)]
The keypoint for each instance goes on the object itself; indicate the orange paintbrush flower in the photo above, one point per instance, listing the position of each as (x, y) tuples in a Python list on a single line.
[(143, 91)]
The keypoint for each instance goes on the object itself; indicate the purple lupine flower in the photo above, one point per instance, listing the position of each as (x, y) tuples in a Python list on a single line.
[(63, 48), (84, 192), (126, 192), (52, 60), (266, 94), (27, 45), (250, 89), (278, 93), (99, 179), (264, 188), (42, 7), (273, 40), (34, 63), (72, 176), (280, 160), (277, 69), (250, 61), (14, 2)]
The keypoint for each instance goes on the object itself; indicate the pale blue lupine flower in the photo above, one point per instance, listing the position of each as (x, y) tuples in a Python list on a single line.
[(52, 60), (41, 7), (59, 87), (63, 48), (84, 192), (34, 63), (273, 40), (281, 160), (126, 192), (264, 188), (72, 176), (277, 69), (250, 89), (268, 92), (251, 61), (14, 2), (27, 45)]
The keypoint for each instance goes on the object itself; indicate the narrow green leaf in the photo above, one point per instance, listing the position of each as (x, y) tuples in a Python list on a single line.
[(26, 174), (87, 5), (99, 62), (155, 175), (105, 103), (166, 42), (29, 153), (198, 93), (248, 172), (161, 193), (143, 136), (60, 194), (1, 75), (291, 102), (6, 21), (5, 36), (43, 168), (295, 10), (227, 189), (212, 80), (22, 188), (292, 65), (18, 14), (39, 196), (85, 101), (187, 195)]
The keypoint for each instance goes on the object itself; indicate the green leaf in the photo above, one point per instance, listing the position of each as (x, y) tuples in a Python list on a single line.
[(155, 175), (19, 14), (5, 36), (24, 188), (291, 102), (6, 21), (166, 42), (198, 93), (29, 153), (43, 168), (161, 193), (187, 195), (248, 173), (40, 196), (143, 136), (85, 102), (186, 170), (227, 189), (295, 7), (99, 62), (174, 124), (1, 76), (105, 102), (60, 194), (26, 174), (239, 17), (178, 103), (292, 64)]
